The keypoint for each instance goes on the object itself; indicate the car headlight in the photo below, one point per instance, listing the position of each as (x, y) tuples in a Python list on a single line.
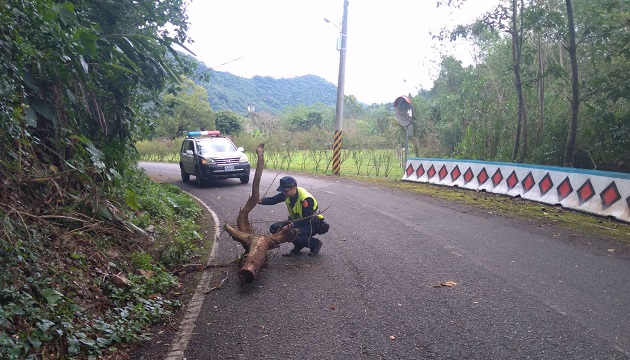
[(205, 161), (243, 158)]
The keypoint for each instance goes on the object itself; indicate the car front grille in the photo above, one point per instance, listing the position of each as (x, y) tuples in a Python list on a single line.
[(226, 161)]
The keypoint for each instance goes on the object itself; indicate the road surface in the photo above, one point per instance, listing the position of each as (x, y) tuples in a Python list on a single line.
[(518, 291)]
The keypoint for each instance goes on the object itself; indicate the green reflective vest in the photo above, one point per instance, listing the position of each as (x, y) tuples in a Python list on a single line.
[(295, 212)]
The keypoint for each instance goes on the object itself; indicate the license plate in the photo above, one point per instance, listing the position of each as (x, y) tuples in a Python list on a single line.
[(228, 168)]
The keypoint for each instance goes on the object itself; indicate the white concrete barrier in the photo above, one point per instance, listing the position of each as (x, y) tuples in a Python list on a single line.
[(598, 192)]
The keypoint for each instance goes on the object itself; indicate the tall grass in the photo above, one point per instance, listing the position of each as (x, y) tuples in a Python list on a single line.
[(159, 150)]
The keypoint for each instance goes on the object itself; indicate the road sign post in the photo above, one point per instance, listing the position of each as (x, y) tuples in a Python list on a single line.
[(404, 112)]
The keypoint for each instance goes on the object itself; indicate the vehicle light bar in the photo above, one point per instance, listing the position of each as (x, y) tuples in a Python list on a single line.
[(204, 133)]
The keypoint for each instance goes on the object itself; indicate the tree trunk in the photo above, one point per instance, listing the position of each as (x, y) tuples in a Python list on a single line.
[(258, 246), (521, 123), (569, 152), (255, 245), (521, 100), (541, 94)]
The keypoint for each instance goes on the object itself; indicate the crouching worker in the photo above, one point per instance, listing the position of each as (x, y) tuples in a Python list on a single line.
[(303, 215)]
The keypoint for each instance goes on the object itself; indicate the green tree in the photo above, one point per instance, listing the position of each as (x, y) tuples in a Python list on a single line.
[(185, 108), (78, 76), (600, 100), (229, 122), (303, 118), (352, 109)]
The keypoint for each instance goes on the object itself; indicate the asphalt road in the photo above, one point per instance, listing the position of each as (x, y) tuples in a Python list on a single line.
[(522, 291)]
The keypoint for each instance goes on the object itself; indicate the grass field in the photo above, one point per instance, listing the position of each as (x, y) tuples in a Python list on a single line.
[(373, 163)]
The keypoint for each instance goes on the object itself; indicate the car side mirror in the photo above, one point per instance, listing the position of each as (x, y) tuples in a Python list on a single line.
[(240, 148)]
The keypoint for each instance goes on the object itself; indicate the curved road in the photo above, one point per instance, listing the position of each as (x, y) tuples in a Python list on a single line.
[(521, 292)]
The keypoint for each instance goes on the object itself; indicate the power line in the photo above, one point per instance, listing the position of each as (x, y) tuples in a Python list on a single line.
[(257, 51)]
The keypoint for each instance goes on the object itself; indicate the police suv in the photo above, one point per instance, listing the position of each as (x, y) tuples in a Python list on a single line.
[(209, 156)]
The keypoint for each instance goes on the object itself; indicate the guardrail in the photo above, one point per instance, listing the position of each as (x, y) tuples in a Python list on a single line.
[(597, 192)]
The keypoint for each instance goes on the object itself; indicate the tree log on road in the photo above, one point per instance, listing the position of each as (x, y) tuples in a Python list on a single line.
[(255, 245)]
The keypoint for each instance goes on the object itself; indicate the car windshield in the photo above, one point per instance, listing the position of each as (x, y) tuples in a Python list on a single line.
[(216, 145)]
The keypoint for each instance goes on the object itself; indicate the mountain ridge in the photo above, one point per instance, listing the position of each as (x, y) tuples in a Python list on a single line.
[(227, 91)]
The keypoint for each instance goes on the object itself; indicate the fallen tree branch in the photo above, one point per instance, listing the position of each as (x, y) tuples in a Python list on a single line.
[(258, 252), (256, 246), (242, 221)]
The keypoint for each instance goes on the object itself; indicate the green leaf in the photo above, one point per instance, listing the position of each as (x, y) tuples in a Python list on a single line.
[(173, 202), (51, 295), (103, 212), (131, 199), (37, 343), (65, 12), (18, 310), (87, 341), (73, 345), (43, 109), (30, 117), (102, 342), (30, 81), (88, 42), (45, 325), (94, 151)]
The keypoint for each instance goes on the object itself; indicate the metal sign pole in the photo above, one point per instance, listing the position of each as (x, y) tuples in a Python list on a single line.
[(406, 145), (404, 113)]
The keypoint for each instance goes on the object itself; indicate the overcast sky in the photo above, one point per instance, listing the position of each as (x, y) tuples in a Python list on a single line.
[(389, 49)]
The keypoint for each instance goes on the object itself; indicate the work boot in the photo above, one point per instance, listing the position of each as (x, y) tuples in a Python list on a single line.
[(317, 246), (293, 252)]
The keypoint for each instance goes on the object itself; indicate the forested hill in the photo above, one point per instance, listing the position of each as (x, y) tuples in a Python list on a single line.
[(230, 92)]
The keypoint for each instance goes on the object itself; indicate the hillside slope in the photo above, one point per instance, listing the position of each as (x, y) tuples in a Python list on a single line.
[(263, 93)]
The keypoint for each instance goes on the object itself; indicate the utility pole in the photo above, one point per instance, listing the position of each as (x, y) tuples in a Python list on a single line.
[(340, 88)]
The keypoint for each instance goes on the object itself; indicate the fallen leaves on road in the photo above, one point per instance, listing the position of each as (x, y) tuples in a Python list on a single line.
[(445, 283)]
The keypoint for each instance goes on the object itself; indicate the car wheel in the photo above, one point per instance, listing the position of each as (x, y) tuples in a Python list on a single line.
[(244, 179), (200, 180), (185, 175)]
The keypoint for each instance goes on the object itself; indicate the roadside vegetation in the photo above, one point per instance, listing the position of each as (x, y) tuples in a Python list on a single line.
[(91, 275), (89, 243)]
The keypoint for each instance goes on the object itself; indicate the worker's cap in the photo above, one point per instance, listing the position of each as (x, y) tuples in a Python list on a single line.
[(286, 183)]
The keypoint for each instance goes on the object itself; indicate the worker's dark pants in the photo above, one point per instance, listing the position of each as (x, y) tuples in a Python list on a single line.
[(305, 236)]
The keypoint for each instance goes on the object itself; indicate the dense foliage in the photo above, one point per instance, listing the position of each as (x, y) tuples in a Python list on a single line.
[(472, 112), (73, 285), (80, 81), (184, 107)]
